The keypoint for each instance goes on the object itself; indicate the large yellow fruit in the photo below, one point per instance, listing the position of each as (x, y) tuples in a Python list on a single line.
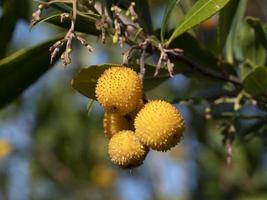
[(159, 125), (125, 150), (113, 123), (119, 90)]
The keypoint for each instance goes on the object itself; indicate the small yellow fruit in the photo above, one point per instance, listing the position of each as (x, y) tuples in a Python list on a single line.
[(107, 177), (159, 125), (119, 90), (5, 148), (113, 123), (125, 150)]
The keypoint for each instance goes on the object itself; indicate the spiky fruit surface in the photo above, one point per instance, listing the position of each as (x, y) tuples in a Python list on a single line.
[(159, 125), (113, 123), (119, 90), (126, 150)]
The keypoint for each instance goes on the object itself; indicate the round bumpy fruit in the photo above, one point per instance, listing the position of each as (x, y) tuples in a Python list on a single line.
[(125, 150), (159, 125), (113, 123), (119, 90)]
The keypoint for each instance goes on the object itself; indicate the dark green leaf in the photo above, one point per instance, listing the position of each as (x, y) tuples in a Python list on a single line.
[(245, 69), (231, 39), (225, 21), (84, 24), (251, 42), (21, 69), (202, 10), (256, 82), (164, 25), (144, 16), (109, 4), (196, 52), (86, 79), (12, 11), (208, 88)]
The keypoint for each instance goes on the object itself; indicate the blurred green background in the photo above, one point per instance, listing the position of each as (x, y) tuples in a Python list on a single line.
[(52, 148)]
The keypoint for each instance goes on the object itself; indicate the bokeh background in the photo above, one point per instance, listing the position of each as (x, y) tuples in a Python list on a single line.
[(52, 148)]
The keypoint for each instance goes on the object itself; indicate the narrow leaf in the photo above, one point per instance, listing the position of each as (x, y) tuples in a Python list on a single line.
[(225, 22), (202, 56), (231, 39), (202, 10), (164, 25), (21, 69), (144, 19), (12, 11)]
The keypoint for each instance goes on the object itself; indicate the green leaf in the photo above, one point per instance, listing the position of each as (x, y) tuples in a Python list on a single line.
[(196, 52), (84, 24), (256, 82), (85, 80), (12, 11), (245, 69), (21, 69), (251, 42), (164, 25), (232, 36), (142, 9), (226, 17), (202, 10), (109, 4)]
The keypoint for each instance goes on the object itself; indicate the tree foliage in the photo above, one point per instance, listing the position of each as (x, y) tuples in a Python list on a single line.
[(215, 45)]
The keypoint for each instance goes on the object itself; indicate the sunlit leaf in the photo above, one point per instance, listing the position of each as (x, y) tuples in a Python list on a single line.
[(202, 10)]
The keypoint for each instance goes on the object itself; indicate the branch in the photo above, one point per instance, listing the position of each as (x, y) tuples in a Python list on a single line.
[(207, 71), (240, 116)]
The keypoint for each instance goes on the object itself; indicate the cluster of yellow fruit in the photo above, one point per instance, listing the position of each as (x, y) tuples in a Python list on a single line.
[(132, 125)]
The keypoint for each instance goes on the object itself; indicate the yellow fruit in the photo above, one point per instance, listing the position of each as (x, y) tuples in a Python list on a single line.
[(113, 123), (209, 24), (125, 150), (159, 125), (102, 176), (5, 148), (119, 90)]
